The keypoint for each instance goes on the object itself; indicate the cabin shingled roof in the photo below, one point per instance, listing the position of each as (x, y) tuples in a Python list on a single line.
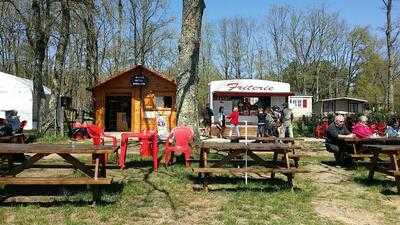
[(112, 77)]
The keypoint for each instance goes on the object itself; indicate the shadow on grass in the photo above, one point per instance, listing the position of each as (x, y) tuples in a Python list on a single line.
[(384, 185), (168, 197), (69, 192), (345, 166), (255, 184), (138, 164)]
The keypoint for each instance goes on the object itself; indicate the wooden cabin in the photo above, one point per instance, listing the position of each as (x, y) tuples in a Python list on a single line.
[(341, 105), (135, 100)]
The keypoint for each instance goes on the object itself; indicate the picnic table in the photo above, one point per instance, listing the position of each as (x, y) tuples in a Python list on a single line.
[(358, 150), (389, 167), (250, 149), (270, 139), (95, 177), (16, 138)]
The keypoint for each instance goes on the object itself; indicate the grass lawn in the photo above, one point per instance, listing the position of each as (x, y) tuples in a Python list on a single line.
[(326, 195)]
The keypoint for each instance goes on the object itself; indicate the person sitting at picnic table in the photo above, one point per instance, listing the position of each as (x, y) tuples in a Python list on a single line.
[(361, 129), (234, 120), (392, 129), (333, 144)]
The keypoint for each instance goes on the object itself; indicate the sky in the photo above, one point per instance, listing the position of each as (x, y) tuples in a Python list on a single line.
[(354, 12)]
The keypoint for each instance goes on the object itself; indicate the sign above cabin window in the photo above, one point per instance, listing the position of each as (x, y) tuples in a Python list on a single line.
[(139, 80)]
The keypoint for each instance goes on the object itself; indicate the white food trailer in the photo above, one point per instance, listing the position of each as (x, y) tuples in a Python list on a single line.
[(16, 94), (248, 95)]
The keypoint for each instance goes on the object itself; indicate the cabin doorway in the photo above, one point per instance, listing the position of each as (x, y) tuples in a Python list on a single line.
[(118, 113)]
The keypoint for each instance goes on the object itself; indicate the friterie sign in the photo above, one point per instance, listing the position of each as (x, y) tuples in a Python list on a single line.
[(235, 86)]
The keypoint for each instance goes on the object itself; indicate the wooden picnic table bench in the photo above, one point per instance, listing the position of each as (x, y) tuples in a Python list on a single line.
[(391, 167), (239, 149), (270, 139), (16, 138), (358, 150), (95, 177)]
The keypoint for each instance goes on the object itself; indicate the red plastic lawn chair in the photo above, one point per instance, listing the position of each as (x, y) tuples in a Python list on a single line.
[(22, 125), (179, 141), (320, 130), (378, 128), (97, 135)]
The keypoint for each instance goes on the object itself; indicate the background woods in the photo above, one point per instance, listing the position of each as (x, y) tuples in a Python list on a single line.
[(70, 45)]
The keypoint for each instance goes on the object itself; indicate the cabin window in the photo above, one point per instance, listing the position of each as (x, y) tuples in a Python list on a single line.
[(298, 103), (328, 106), (304, 103), (164, 101), (354, 107)]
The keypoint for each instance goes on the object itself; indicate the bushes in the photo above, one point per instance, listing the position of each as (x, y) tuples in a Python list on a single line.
[(49, 138), (305, 127)]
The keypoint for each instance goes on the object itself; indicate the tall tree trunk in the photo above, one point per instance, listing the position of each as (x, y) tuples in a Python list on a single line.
[(389, 45), (38, 35), (92, 68), (135, 31), (60, 61), (317, 88), (118, 56), (188, 79)]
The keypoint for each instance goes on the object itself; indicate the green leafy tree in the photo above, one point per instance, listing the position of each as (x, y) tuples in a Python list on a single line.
[(371, 82)]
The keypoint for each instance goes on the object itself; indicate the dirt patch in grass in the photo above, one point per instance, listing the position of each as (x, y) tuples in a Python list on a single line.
[(343, 211), (340, 198)]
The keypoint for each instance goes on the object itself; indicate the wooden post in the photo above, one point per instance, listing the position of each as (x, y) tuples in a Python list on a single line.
[(96, 168), (205, 175), (96, 194), (61, 121), (373, 165), (245, 138), (274, 161)]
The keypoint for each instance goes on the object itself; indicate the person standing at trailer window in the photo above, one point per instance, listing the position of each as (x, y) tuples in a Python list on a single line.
[(269, 122), (261, 124), (221, 121), (287, 120), (207, 114), (234, 119)]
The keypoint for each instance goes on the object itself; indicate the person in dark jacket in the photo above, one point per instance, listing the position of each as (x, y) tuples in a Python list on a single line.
[(207, 114), (333, 142), (262, 123), (221, 124)]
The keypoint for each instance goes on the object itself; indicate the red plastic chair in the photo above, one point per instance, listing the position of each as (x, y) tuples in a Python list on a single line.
[(378, 128), (183, 137), (320, 130), (22, 125), (97, 135)]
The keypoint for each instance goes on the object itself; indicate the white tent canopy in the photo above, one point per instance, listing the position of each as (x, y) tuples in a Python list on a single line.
[(16, 94)]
